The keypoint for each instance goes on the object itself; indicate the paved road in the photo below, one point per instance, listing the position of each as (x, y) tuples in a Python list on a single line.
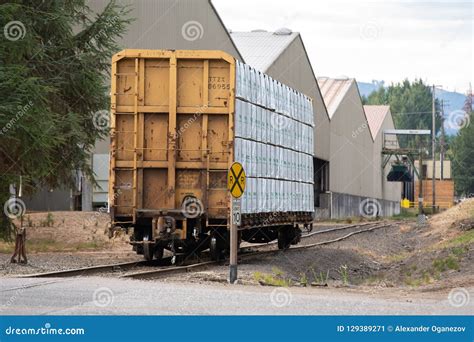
[(102, 296)]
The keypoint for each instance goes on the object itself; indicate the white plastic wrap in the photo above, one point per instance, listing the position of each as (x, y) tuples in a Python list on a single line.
[(274, 142)]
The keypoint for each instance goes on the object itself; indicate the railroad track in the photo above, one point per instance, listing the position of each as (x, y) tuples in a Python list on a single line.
[(130, 267), (90, 270)]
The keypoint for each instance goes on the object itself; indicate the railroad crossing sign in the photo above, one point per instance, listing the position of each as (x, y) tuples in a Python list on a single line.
[(236, 180)]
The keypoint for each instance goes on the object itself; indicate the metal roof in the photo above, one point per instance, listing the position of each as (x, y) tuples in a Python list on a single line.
[(333, 91), (375, 117), (260, 49)]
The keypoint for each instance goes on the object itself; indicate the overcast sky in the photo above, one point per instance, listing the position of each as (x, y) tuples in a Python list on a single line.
[(377, 40)]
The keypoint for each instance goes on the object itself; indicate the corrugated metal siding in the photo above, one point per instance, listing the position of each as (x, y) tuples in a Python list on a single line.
[(351, 163), (383, 189), (345, 205), (160, 25)]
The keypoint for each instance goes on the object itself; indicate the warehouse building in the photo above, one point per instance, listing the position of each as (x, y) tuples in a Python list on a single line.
[(338, 111), (356, 141)]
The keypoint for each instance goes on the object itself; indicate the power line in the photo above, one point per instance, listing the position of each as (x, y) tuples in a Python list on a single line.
[(413, 113)]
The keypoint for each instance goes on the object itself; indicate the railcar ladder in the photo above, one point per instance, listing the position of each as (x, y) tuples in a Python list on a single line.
[(135, 143)]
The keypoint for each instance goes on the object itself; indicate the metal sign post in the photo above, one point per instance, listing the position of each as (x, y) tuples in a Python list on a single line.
[(236, 184)]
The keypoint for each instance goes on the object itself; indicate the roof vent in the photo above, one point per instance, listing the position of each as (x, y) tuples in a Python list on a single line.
[(258, 30), (283, 32)]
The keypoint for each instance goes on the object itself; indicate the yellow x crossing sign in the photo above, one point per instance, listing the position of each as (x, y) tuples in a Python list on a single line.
[(236, 180)]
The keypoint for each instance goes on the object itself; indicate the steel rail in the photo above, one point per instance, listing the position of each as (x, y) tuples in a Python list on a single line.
[(156, 272)]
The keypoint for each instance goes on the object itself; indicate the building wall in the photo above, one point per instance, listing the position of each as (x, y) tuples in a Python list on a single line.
[(294, 69), (159, 25), (429, 169), (382, 188), (351, 162), (345, 205), (444, 192), (49, 200)]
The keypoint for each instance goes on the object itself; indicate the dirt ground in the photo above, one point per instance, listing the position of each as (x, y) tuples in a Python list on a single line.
[(436, 256), (64, 240)]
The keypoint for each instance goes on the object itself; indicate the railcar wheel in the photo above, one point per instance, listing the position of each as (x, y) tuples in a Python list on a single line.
[(284, 240), (159, 251), (147, 249)]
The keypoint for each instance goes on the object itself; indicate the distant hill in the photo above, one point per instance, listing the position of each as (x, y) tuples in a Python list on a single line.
[(454, 101)]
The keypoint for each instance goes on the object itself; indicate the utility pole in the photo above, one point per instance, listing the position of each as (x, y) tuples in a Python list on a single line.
[(442, 144), (420, 187), (433, 146)]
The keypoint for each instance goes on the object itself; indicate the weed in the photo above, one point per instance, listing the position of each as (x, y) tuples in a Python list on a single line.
[(29, 221), (459, 251), (48, 221), (443, 264), (303, 279), (320, 279), (344, 274), (463, 239)]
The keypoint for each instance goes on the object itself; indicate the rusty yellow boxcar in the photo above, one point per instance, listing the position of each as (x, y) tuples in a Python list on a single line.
[(173, 139)]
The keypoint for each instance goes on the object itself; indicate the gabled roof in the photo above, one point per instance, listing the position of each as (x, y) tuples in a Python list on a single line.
[(375, 116), (260, 49), (333, 91)]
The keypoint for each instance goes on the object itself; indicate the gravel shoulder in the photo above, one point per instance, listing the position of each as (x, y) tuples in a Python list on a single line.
[(402, 257)]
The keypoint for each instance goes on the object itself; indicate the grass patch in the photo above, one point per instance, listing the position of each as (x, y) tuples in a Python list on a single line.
[(7, 247), (397, 257), (466, 238), (439, 265), (275, 279), (49, 245), (405, 214), (443, 264)]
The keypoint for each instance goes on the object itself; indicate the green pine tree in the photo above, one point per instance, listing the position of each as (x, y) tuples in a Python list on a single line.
[(410, 104), (462, 153), (54, 64)]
